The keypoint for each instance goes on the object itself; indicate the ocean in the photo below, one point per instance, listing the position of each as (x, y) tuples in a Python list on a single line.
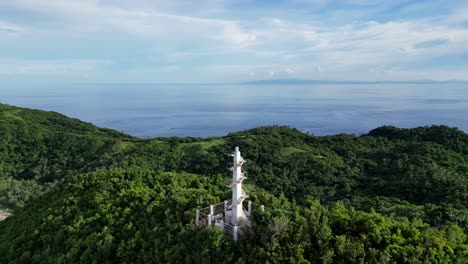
[(153, 110)]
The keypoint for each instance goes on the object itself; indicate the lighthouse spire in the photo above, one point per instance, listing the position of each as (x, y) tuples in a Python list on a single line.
[(229, 215), (238, 194)]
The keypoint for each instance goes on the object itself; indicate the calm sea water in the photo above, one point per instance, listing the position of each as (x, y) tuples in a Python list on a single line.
[(149, 110)]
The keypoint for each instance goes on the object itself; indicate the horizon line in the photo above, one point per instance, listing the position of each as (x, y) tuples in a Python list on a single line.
[(289, 81), (267, 81)]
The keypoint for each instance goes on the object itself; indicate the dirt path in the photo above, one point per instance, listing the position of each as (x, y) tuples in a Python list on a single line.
[(3, 215)]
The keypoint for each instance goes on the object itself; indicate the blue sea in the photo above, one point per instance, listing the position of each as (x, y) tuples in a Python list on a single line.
[(151, 110)]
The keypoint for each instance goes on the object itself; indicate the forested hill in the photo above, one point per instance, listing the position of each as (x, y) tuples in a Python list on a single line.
[(82, 193)]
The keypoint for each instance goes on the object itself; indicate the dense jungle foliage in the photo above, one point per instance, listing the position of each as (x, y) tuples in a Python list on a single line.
[(86, 194)]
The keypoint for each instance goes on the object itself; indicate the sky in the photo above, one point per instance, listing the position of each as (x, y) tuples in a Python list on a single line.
[(160, 41)]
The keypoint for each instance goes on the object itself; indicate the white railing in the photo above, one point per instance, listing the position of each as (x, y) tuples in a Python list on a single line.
[(241, 178), (232, 166), (241, 198)]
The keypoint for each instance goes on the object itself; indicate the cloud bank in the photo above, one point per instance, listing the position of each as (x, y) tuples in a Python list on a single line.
[(224, 40)]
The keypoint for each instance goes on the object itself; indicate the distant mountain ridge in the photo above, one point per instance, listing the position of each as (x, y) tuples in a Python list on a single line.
[(307, 81)]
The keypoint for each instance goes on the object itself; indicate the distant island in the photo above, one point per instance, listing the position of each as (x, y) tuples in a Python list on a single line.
[(79, 193), (306, 81)]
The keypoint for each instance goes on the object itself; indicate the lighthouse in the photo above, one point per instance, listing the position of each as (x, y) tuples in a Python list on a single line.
[(238, 194), (229, 215)]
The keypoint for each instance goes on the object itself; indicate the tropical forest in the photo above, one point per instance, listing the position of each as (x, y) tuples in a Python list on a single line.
[(77, 193)]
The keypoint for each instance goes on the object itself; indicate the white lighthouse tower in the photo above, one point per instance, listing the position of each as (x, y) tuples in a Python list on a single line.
[(238, 194), (229, 215)]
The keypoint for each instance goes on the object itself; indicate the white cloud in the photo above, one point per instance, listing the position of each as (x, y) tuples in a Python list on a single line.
[(358, 47), (288, 70), (90, 15), (9, 66), (459, 16), (234, 35), (10, 28), (392, 42), (237, 45)]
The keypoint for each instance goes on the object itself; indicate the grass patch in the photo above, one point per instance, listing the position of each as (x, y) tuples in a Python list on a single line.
[(200, 147), (122, 146), (290, 150), (4, 212), (12, 114), (4, 215)]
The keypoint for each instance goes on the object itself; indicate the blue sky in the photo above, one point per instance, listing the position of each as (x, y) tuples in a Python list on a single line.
[(232, 40)]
